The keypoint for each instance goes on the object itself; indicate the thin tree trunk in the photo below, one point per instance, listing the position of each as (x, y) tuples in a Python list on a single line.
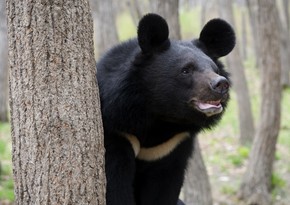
[(285, 45), (135, 10), (244, 35), (57, 134), (286, 14), (240, 86), (3, 65), (197, 190), (203, 12), (106, 34), (253, 11), (285, 56), (256, 182), (169, 10)]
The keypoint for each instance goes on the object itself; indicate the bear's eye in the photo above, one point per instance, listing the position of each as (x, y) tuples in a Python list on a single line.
[(186, 70)]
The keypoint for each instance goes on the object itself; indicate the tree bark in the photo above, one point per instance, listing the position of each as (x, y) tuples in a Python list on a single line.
[(57, 134), (106, 34), (3, 65), (197, 190), (169, 10), (256, 182), (235, 64)]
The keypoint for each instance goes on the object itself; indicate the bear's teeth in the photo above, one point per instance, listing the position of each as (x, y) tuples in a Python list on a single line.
[(216, 103)]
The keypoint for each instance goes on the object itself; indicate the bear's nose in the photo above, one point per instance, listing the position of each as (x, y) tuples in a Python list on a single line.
[(220, 85)]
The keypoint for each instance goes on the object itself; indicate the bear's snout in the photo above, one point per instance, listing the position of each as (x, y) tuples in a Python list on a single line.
[(220, 85)]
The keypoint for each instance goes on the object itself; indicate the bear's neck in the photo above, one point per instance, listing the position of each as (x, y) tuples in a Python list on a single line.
[(161, 131)]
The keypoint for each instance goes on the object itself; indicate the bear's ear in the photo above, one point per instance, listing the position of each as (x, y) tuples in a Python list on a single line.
[(218, 37), (153, 33)]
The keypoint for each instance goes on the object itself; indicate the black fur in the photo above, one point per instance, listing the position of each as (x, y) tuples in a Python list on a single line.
[(150, 88), (153, 33), (218, 37)]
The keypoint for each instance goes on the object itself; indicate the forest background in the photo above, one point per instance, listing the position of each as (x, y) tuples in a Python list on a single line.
[(227, 148)]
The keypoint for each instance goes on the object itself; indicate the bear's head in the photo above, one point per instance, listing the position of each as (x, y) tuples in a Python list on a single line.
[(185, 82)]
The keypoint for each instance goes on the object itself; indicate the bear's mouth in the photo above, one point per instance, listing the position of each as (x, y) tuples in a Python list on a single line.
[(209, 108)]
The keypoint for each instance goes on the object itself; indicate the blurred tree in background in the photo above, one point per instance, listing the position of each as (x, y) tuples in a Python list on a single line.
[(3, 65), (104, 14), (256, 184), (285, 43), (237, 70), (169, 9)]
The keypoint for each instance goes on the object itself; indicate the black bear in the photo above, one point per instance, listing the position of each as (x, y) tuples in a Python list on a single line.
[(156, 95)]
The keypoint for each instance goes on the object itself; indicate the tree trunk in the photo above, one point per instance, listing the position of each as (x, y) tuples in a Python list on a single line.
[(169, 10), (236, 67), (285, 56), (106, 34), (256, 182), (203, 12), (286, 13), (57, 134), (244, 35), (285, 44), (196, 186), (3, 65), (253, 11), (135, 10)]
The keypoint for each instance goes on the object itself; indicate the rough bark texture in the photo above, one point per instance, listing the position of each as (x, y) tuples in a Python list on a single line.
[(196, 186), (57, 134), (235, 64), (106, 34), (256, 182), (3, 65), (169, 10)]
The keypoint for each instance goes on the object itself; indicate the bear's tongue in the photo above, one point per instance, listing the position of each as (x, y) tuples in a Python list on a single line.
[(209, 104)]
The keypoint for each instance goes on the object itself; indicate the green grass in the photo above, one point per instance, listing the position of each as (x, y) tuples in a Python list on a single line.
[(228, 190), (277, 181), (4, 127), (285, 125), (6, 182), (238, 159), (7, 190), (2, 148), (244, 152)]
